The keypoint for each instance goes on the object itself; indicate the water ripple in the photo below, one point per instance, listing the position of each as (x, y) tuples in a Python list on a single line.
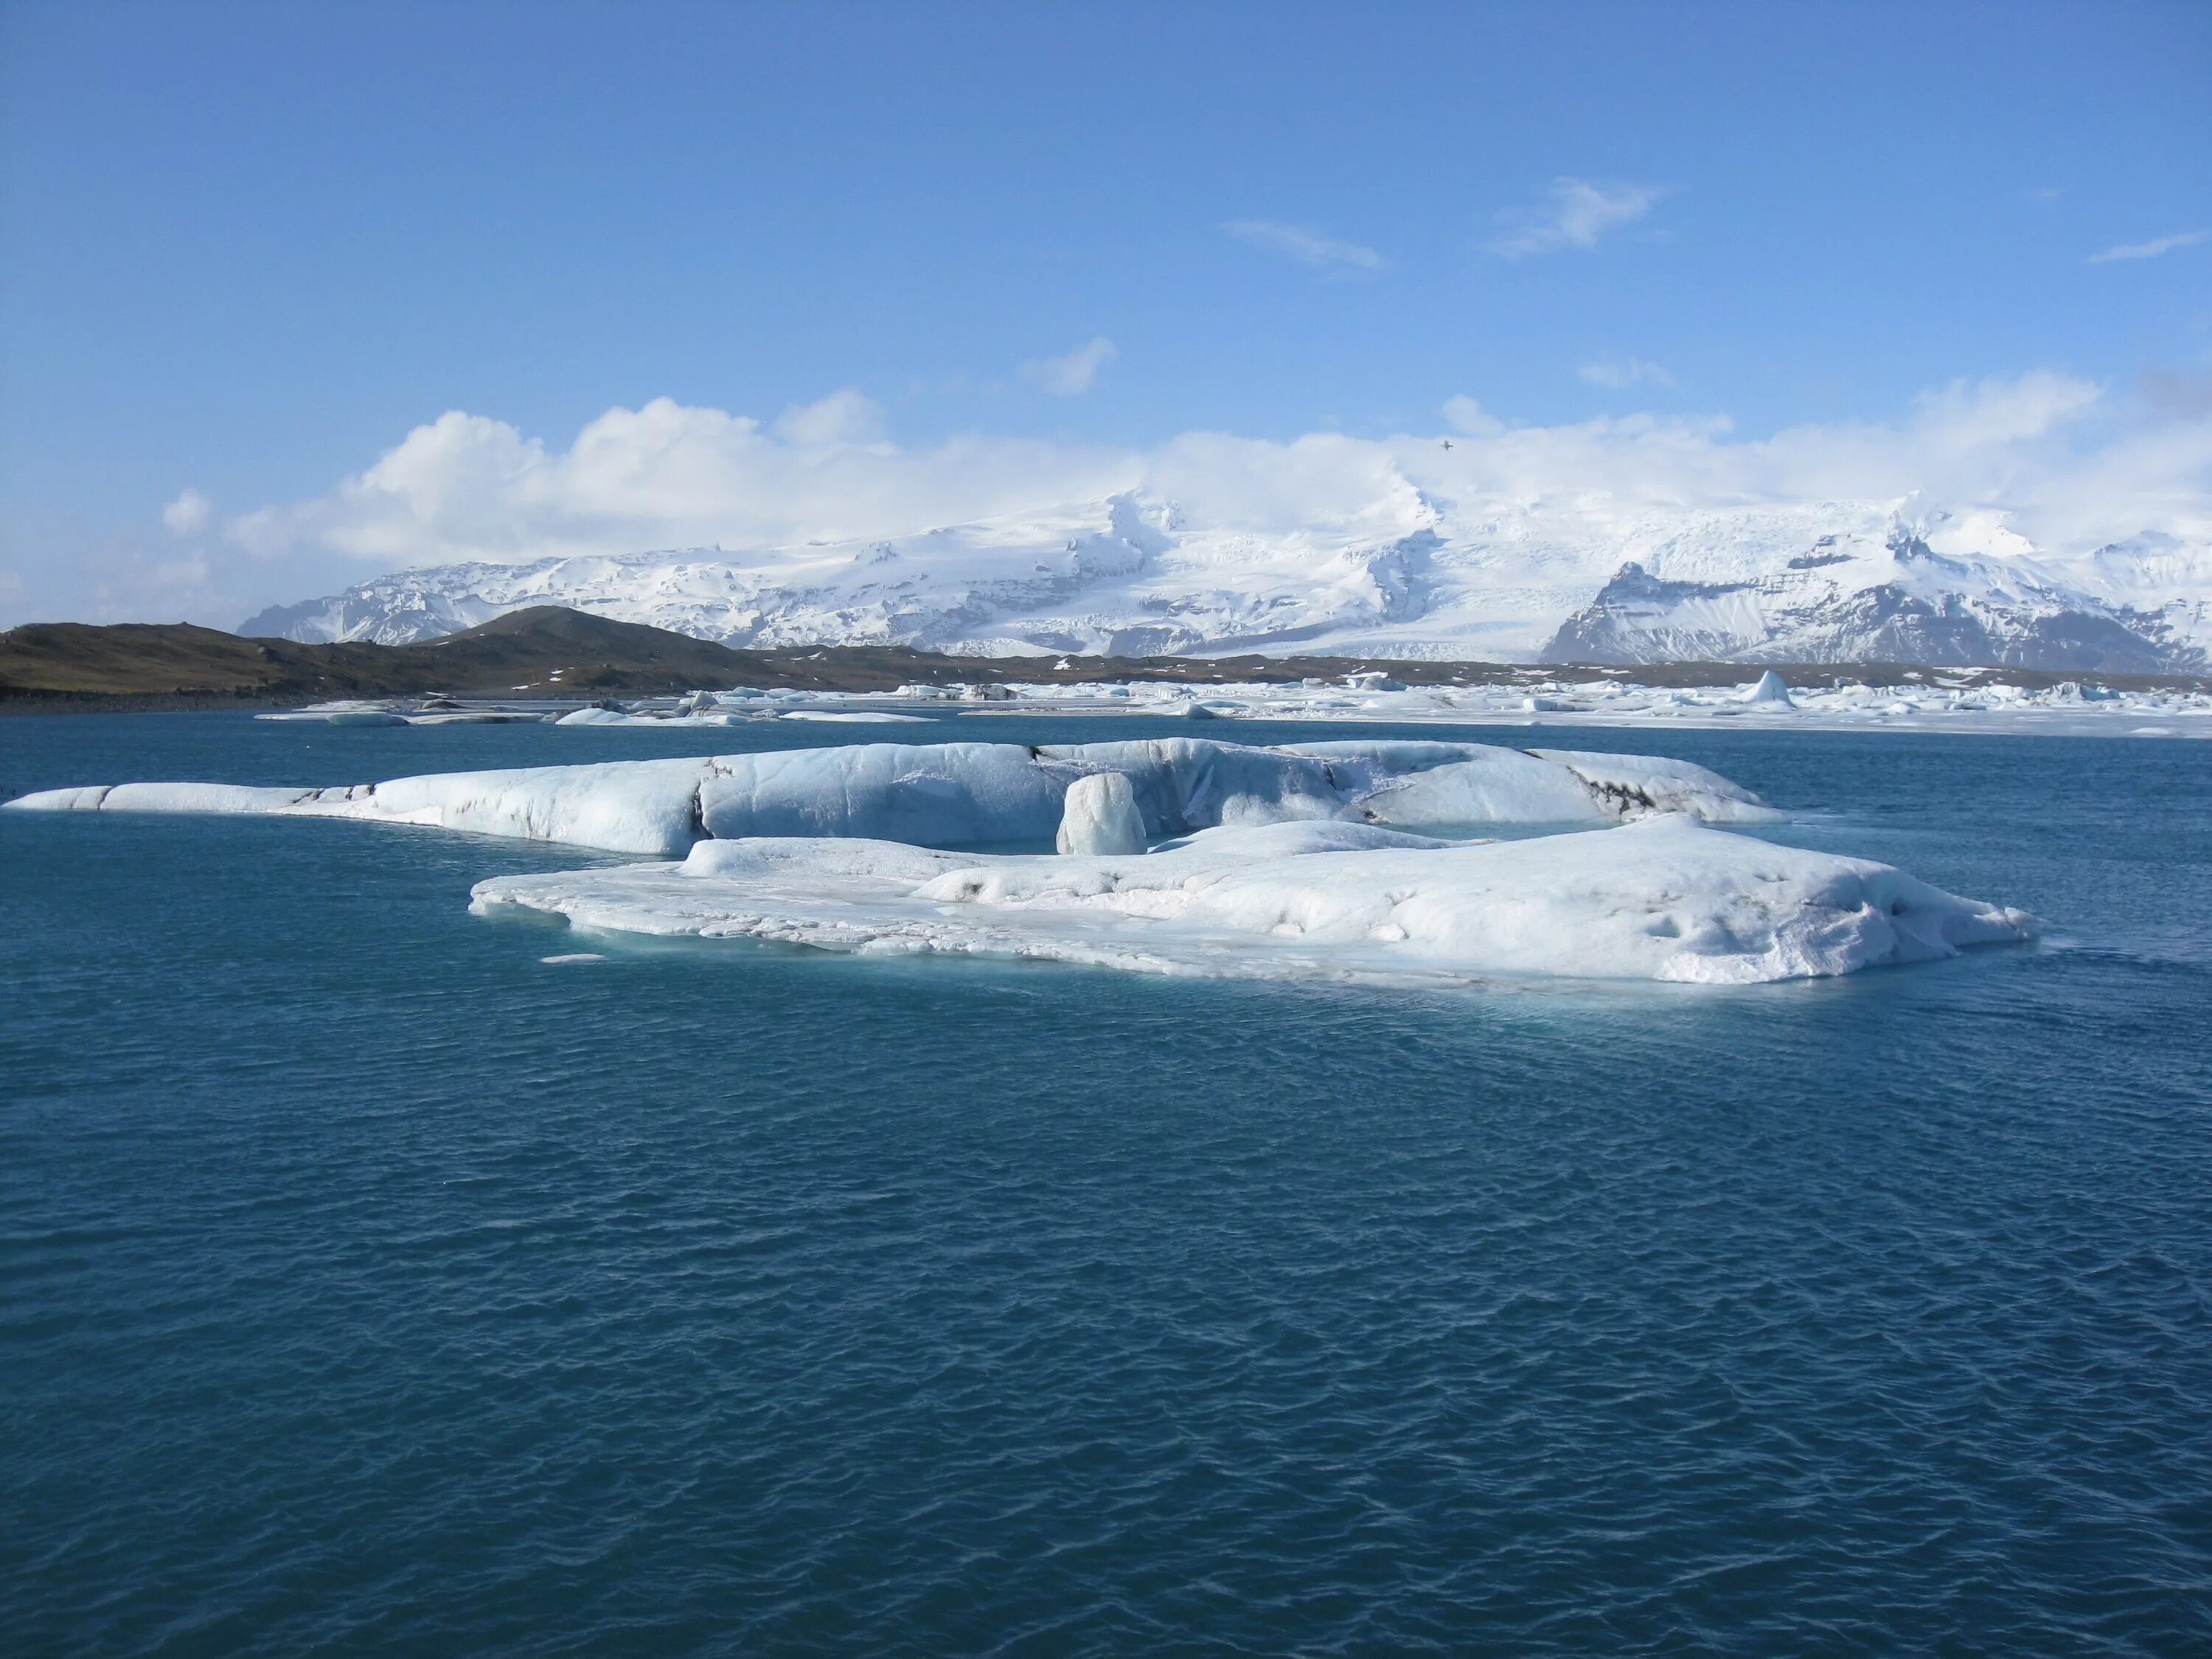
[(364, 1286)]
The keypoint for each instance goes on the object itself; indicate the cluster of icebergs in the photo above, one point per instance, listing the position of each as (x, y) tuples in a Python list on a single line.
[(1939, 700), (1177, 855)]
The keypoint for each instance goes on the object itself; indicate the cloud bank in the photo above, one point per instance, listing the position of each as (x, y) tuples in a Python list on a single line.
[(2071, 469)]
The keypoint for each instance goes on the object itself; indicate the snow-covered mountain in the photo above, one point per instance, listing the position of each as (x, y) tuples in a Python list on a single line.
[(1410, 576), (1905, 603)]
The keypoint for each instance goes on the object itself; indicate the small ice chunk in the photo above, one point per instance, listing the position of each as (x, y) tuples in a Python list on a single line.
[(854, 717), (1770, 690), (1100, 817)]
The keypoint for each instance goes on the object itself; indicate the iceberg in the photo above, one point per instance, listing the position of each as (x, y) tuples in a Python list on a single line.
[(1770, 688), (1665, 899), (855, 717), (969, 793), (1298, 861)]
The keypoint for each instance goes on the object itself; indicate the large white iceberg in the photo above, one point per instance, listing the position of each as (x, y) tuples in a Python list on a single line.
[(960, 794), (1665, 899), (1292, 861)]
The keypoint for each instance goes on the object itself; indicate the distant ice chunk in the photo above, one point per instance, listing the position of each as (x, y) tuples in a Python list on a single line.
[(855, 717), (1771, 689), (1665, 899)]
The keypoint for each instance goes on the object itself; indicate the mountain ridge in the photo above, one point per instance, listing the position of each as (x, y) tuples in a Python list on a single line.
[(1414, 577)]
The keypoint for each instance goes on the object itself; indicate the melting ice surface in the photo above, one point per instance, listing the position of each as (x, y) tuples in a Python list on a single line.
[(1293, 861)]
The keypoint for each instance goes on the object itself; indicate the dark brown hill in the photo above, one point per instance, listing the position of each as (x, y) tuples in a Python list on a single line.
[(550, 652)]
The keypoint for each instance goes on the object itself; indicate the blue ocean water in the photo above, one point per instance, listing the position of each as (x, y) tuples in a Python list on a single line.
[(368, 1286)]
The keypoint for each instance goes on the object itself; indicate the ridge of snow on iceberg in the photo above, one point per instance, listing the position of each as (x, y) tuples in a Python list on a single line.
[(1664, 898), (966, 793)]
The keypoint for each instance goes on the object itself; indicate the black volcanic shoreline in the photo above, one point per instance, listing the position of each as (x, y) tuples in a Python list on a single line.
[(550, 652)]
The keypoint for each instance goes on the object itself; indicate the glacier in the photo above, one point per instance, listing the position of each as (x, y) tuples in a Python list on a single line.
[(1416, 574), (1664, 899)]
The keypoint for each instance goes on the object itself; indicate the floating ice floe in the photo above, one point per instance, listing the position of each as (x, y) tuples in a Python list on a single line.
[(970, 794), (1291, 861), (856, 717), (1664, 898), (355, 712), (1938, 700)]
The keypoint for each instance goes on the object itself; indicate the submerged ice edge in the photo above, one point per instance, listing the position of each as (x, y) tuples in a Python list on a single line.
[(972, 793), (1662, 899)]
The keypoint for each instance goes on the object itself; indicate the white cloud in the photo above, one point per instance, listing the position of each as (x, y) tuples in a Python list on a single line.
[(1578, 213), (1469, 418), (189, 515), (1072, 374), (2151, 249), (2049, 450), (1308, 247), (1994, 414), (465, 487), (847, 416), (1618, 372)]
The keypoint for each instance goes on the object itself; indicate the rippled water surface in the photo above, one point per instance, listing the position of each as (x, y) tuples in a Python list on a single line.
[(368, 1284)]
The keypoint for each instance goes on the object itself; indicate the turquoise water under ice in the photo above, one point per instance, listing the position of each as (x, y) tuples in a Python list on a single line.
[(368, 1286)]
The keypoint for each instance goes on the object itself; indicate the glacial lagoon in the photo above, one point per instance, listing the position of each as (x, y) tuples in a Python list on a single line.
[(381, 1272)]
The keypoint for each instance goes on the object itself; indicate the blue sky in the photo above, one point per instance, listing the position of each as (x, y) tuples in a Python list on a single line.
[(248, 248)]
